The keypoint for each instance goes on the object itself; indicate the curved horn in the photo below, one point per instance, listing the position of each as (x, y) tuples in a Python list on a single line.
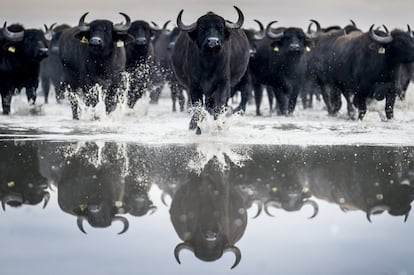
[(315, 207), (82, 26), (259, 208), (155, 25), (352, 23), (409, 31), (123, 27), (261, 34), (237, 253), (318, 26), (163, 198), (178, 249), (3, 205), (272, 35), (164, 27), (406, 216), (80, 223), (124, 221), (271, 203), (239, 23), (12, 36), (182, 27), (380, 39), (49, 31), (152, 209), (46, 198), (376, 209)]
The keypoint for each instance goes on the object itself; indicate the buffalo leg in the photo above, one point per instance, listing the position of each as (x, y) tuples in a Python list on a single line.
[(389, 105), (45, 88), (258, 95), (362, 106), (6, 102), (31, 94)]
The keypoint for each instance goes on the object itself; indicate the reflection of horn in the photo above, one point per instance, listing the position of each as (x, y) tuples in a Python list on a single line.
[(271, 34), (163, 198), (239, 23), (380, 39), (376, 210), (152, 209), (315, 207), (46, 197), (178, 249), (237, 253), (80, 223), (259, 207), (124, 221), (271, 203)]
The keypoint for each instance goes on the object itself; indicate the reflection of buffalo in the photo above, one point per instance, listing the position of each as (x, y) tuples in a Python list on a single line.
[(99, 183), (20, 180), (208, 214), (370, 179)]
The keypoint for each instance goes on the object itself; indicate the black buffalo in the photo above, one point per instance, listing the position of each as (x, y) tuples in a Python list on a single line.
[(94, 53), (209, 57), (276, 64), (21, 181), (51, 71), (364, 65), (139, 60), (208, 215), (163, 45), (21, 51)]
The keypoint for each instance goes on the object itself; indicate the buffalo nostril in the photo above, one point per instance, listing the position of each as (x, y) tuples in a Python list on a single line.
[(96, 41), (213, 42), (294, 47), (141, 41)]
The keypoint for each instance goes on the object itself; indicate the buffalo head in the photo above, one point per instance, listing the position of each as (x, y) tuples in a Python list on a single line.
[(102, 35), (209, 216), (291, 41), (210, 31)]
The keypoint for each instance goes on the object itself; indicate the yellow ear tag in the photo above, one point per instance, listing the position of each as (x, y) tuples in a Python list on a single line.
[(84, 40), (82, 207), (120, 44), (10, 184), (381, 50), (308, 49), (11, 49), (276, 49)]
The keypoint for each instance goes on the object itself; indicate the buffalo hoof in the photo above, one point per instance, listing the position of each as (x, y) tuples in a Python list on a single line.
[(198, 131)]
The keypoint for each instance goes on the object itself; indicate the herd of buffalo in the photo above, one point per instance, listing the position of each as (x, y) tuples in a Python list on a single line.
[(210, 59)]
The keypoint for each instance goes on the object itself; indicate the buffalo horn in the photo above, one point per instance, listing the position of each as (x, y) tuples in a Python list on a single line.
[(178, 249), (259, 208), (12, 36), (315, 207), (80, 223), (270, 33), (124, 221), (152, 209), (82, 25), (261, 34), (123, 27), (155, 25), (353, 23), (237, 253), (3, 205), (318, 26), (239, 23), (375, 210), (164, 198), (164, 27), (409, 31), (182, 27), (271, 203), (46, 197), (380, 39)]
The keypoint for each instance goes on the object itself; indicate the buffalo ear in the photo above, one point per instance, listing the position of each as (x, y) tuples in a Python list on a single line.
[(275, 44), (82, 36), (193, 35)]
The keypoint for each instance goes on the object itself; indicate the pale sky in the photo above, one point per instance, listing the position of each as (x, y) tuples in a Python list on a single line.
[(393, 13)]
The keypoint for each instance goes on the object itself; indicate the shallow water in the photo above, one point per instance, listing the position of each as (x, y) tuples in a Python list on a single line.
[(314, 202)]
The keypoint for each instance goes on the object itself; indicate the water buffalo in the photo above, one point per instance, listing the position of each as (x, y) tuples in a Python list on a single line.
[(208, 215), (21, 51), (276, 64), (209, 57), (364, 65), (139, 60), (51, 71), (94, 53)]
